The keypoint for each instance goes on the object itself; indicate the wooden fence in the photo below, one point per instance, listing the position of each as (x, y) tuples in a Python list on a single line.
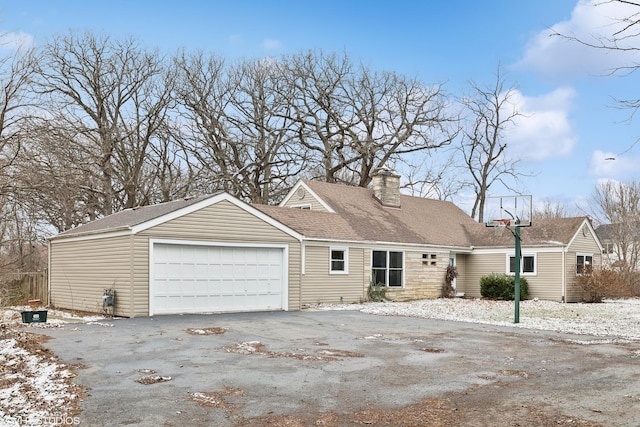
[(18, 288)]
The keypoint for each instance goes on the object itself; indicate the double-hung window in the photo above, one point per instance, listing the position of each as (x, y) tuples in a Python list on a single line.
[(527, 264), (387, 268), (338, 260), (584, 264)]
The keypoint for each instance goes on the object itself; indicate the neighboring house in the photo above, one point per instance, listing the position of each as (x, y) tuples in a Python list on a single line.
[(619, 244), (324, 243), (605, 235)]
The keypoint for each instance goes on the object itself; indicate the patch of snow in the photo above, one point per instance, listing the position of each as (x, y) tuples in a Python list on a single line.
[(39, 393), (614, 318)]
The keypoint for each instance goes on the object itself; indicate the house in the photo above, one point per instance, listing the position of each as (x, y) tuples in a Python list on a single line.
[(620, 243), (323, 243)]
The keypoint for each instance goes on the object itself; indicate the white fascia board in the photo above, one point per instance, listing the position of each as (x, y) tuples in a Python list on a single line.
[(586, 223), (310, 191), (212, 201), (524, 249), (375, 244), (91, 236)]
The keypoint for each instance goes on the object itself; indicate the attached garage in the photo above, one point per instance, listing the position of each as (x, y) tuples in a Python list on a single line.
[(204, 255), (196, 278)]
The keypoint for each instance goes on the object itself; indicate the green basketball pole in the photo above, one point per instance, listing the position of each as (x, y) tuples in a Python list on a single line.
[(516, 233)]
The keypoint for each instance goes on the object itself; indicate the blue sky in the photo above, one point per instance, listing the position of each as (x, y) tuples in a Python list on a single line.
[(569, 127)]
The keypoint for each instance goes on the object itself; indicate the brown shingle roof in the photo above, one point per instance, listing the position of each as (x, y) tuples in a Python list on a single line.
[(360, 217), (131, 217), (543, 232)]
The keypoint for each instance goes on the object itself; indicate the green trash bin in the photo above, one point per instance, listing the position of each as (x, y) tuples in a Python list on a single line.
[(34, 316)]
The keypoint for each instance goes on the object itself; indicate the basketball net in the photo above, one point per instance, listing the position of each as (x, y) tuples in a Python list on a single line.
[(500, 226)]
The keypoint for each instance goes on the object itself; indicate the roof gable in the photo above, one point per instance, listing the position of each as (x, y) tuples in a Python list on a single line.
[(302, 193), (359, 216)]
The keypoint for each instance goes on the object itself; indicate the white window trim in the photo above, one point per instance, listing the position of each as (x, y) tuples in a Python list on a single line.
[(583, 254), (404, 266), (522, 273), (346, 259)]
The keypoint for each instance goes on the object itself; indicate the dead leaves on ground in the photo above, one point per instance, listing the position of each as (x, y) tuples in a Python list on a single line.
[(153, 379), (430, 411), (256, 347), (216, 399), (206, 331)]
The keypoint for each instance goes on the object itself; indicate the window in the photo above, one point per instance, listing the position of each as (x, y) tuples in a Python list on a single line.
[(429, 259), (584, 264), (527, 264), (387, 268), (306, 207), (338, 262)]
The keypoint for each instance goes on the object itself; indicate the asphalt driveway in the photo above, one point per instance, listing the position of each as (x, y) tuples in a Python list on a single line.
[(331, 367)]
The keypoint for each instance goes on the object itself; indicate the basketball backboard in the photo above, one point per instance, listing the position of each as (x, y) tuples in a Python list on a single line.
[(514, 210)]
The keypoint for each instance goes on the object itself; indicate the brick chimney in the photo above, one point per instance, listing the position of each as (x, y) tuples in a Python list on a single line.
[(386, 187)]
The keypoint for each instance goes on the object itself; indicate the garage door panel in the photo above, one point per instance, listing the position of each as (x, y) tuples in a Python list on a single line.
[(199, 278)]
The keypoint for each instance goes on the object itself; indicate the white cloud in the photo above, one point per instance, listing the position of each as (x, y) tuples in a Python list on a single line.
[(271, 44), (15, 41), (543, 130), (607, 164), (592, 21)]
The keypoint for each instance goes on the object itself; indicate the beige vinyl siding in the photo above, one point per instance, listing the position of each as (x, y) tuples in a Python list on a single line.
[(81, 270), (140, 267), (581, 245), (476, 266), (546, 284), (321, 287), (308, 199), (221, 222), (461, 267)]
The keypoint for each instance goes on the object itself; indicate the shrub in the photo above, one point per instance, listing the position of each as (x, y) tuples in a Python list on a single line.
[(12, 295), (502, 286), (604, 283), (447, 287), (377, 291)]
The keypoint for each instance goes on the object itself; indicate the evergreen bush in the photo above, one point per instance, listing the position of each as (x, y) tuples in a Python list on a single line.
[(502, 286)]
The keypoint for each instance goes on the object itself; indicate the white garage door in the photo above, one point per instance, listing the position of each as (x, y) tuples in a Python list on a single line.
[(204, 279)]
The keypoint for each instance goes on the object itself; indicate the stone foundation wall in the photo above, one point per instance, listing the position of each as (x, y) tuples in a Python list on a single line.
[(424, 276)]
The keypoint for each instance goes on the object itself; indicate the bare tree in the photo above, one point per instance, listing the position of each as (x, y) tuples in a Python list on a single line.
[(434, 178), (618, 204), (16, 72), (319, 108), (203, 92), (263, 131), (622, 37), (489, 112), (353, 120), (550, 210), (17, 67), (57, 177), (394, 118), (113, 96)]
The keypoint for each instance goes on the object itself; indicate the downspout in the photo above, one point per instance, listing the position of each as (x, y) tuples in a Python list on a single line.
[(303, 263), (564, 276), (48, 272)]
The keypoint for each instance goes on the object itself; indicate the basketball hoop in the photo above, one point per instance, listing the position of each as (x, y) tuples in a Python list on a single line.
[(499, 225)]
